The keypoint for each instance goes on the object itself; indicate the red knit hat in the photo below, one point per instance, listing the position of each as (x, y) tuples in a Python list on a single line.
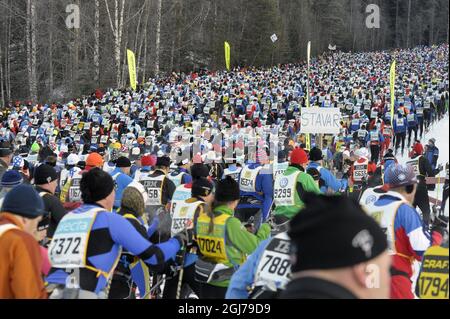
[(299, 157), (418, 148), (148, 160)]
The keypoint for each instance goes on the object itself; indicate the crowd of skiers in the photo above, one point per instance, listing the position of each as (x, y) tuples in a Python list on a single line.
[(202, 185)]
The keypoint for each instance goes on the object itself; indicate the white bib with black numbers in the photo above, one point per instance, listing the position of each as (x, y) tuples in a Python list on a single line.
[(284, 190), (247, 182), (374, 136), (362, 133), (275, 263), (68, 247), (401, 122), (153, 187), (360, 170), (182, 215), (74, 190), (387, 131), (415, 165), (385, 216), (279, 169), (419, 111), (374, 114), (181, 194)]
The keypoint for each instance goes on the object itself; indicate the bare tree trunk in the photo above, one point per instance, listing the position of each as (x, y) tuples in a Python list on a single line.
[(144, 79), (2, 92), (97, 42), (28, 40), (31, 49), (397, 39), (8, 60), (117, 28), (408, 28), (158, 36), (431, 40), (50, 49), (142, 40)]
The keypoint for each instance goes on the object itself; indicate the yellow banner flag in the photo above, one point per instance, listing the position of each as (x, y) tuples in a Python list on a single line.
[(392, 80), (227, 56), (132, 69)]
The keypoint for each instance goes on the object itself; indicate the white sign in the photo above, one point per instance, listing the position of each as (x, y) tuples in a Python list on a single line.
[(274, 38), (320, 120)]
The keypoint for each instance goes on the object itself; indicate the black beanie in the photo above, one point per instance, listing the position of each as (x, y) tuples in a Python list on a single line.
[(315, 154), (202, 187), (227, 190), (199, 170), (334, 232), (44, 174), (123, 162), (96, 185), (163, 161)]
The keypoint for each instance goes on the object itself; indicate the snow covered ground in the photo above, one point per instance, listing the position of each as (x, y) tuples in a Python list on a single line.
[(439, 131)]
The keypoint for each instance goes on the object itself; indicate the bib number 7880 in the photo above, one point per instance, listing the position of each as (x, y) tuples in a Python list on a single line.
[(276, 265)]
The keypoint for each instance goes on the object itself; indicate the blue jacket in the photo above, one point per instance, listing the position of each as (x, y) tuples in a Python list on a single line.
[(329, 179), (115, 231), (354, 128), (413, 122), (432, 155), (122, 181), (380, 137), (264, 192), (398, 127), (245, 276)]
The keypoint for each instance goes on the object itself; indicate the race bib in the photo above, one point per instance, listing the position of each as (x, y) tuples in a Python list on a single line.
[(284, 190), (154, 190), (360, 172), (415, 165), (69, 244), (275, 263), (74, 191), (433, 279), (183, 215), (247, 183), (279, 169), (104, 139)]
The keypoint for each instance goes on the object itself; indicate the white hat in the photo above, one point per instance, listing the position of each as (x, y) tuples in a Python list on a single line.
[(73, 159), (136, 151), (362, 152), (140, 188)]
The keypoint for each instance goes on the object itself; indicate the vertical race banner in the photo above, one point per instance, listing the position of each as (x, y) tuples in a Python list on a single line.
[(132, 69), (227, 56), (392, 80), (308, 136)]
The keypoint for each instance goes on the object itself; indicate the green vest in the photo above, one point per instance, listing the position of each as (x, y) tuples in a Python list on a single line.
[(286, 195)]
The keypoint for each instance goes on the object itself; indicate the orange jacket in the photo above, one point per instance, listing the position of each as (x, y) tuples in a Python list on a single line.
[(20, 263)]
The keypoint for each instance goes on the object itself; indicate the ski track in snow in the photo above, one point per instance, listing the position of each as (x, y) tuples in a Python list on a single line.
[(439, 131)]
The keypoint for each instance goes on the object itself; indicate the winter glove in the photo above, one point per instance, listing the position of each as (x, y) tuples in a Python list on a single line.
[(185, 237)]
